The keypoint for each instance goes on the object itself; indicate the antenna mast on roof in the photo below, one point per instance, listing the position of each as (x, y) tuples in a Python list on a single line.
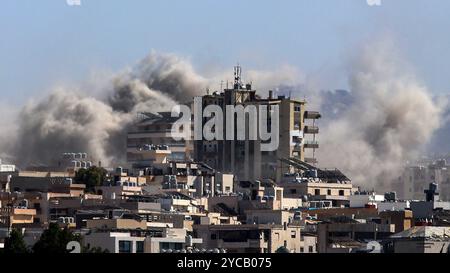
[(237, 77)]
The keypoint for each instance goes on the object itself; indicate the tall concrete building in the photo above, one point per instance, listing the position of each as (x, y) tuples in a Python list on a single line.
[(152, 135), (245, 158)]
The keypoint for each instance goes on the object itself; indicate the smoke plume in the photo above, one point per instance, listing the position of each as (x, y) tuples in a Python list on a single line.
[(368, 132), (72, 121), (389, 118)]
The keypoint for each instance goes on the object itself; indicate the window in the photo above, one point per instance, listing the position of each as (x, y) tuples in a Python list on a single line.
[(310, 249), (227, 188), (37, 207), (341, 192), (293, 191), (173, 246), (277, 235), (317, 192), (293, 234), (302, 250), (140, 247), (124, 246), (328, 192)]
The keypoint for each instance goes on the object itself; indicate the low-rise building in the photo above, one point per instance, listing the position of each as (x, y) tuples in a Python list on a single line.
[(46, 182), (172, 240), (318, 186), (402, 220), (116, 224), (249, 238), (177, 202), (137, 236), (13, 216), (7, 168), (308, 242), (422, 239), (116, 241), (345, 235), (119, 190)]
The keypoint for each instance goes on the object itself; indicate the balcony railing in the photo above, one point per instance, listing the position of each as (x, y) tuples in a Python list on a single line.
[(312, 115), (311, 144), (311, 130)]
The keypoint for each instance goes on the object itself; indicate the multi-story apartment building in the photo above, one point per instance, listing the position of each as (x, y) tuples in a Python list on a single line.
[(250, 238), (416, 178), (245, 158), (152, 134)]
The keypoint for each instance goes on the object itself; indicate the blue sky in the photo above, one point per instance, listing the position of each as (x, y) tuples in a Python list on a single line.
[(46, 42)]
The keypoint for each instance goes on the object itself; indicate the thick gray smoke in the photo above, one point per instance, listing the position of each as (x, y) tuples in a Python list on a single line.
[(389, 118), (159, 79), (8, 129), (368, 132), (72, 121)]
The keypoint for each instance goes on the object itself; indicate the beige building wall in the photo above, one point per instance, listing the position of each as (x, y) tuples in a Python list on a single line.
[(289, 238), (116, 224)]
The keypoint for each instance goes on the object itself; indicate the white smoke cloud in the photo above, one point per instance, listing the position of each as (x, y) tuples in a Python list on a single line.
[(8, 129), (391, 118), (71, 120), (66, 121)]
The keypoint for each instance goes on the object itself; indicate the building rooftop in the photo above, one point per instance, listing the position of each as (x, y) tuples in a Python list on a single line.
[(427, 232), (157, 118)]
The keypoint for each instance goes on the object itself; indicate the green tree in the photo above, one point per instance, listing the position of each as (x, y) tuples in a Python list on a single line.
[(15, 244), (96, 250), (92, 177), (54, 240), (282, 249)]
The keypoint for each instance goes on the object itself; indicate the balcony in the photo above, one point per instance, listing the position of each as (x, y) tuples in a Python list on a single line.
[(314, 144), (311, 130), (312, 115)]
